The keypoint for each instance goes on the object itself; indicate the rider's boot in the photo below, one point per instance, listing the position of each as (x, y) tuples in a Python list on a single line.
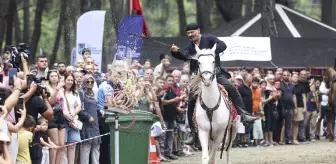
[(192, 137), (236, 100)]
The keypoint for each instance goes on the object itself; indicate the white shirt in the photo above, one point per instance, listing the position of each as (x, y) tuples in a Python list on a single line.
[(73, 101), (324, 92), (157, 70)]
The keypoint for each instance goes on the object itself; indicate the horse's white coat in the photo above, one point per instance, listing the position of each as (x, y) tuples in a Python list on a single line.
[(220, 120)]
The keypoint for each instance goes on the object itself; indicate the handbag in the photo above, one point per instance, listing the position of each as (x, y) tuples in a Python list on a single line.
[(76, 123), (58, 113)]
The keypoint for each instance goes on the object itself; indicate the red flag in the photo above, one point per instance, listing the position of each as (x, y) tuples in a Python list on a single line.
[(137, 7)]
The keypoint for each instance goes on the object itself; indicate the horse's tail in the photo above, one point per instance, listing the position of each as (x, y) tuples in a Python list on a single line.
[(195, 85)]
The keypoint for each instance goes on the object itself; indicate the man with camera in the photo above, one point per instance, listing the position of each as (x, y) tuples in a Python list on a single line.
[(35, 99)]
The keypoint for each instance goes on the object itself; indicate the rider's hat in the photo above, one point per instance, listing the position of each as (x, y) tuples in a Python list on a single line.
[(192, 26)]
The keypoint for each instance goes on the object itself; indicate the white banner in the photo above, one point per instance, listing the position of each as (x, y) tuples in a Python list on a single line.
[(247, 48), (90, 30)]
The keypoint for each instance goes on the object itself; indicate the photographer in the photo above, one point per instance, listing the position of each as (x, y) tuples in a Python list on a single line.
[(36, 102)]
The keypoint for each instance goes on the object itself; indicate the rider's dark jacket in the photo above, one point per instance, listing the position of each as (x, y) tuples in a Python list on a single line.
[(207, 42)]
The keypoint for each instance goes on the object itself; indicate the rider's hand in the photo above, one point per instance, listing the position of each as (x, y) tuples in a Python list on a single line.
[(174, 48)]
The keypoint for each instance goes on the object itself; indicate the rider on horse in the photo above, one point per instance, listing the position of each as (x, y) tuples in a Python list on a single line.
[(193, 32)]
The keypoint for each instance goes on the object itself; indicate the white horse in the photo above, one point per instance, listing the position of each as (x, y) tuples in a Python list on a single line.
[(212, 128)]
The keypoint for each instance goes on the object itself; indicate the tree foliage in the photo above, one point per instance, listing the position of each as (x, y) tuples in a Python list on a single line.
[(50, 25)]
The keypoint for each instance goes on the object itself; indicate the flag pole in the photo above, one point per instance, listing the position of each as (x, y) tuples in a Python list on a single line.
[(130, 7)]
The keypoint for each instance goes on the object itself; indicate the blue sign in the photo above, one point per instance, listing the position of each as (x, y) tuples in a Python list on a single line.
[(129, 38)]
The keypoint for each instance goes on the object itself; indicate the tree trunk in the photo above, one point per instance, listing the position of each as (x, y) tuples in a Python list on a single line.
[(329, 12), (18, 32), (10, 23), (4, 5), (118, 10), (40, 5), (59, 32), (267, 17), (203, 14), (88, 5), (182, 16), (66, 33), (257, 6), (288, 3), (26, 21), (230, 9), (248, 7)]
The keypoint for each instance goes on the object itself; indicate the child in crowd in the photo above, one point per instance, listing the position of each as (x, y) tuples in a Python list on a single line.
[(45, 140), (25, 136)]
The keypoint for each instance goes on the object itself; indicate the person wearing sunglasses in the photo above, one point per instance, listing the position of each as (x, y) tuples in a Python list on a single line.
[(91, 126)]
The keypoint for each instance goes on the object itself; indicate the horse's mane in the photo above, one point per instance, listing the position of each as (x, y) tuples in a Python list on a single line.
[(195, 84)]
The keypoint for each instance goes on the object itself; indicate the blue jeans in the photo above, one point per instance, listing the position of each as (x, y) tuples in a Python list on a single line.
[(169, 137)]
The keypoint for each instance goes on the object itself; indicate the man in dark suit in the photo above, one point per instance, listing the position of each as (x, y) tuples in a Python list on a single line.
[(193, 32)]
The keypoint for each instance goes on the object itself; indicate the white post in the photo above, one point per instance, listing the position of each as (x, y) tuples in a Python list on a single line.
[(116, 139)]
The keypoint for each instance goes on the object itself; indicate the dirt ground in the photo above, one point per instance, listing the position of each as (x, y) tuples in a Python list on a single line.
[(320, 152)]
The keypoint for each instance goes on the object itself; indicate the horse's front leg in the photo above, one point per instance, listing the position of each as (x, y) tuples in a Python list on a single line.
[(232, 133), (204, 139), (214, 146)]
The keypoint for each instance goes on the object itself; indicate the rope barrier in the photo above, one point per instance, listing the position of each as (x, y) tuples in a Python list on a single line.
[(88, 139), (126, 105)]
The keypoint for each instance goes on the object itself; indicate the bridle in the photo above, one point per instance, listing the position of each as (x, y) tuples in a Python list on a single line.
[(209, 111), (213, 73)]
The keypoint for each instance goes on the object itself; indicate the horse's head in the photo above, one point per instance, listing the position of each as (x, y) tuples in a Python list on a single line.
[(206, 64)]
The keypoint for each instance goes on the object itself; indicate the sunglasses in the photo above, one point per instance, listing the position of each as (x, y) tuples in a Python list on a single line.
[(89, 82)]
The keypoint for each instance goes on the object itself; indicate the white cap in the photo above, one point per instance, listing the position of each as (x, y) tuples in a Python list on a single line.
[(239, 77), (4, 131)]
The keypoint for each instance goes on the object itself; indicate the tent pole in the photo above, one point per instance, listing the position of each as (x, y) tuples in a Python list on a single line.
[(268, 24)]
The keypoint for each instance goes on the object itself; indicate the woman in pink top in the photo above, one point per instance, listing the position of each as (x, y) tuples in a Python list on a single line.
[(56, 130)]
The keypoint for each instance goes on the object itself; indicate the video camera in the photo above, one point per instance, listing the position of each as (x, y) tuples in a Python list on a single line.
[(15, 58), (40, 89)]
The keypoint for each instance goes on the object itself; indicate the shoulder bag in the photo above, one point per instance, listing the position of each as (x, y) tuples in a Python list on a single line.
[(76, 123)]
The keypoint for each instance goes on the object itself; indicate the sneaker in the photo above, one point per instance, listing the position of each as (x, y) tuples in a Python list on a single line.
[(289, 142), (188, 153), (164, 159), (179, 153), (172, 157), (295, 142)]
